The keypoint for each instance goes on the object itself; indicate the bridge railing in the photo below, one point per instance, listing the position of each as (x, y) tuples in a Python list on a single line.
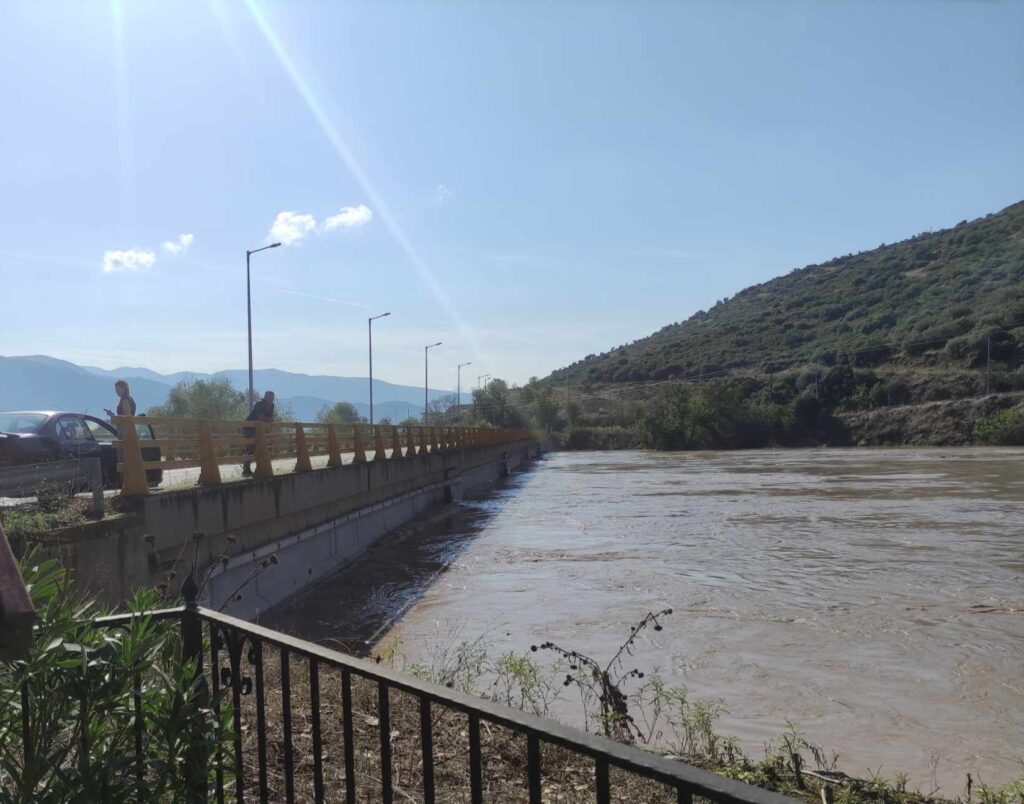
[(208, 444), (309, 723)]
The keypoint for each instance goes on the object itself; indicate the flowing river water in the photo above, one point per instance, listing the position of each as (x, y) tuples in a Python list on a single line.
[(874, 598)]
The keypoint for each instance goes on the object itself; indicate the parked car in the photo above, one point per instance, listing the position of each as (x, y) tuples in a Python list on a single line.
[(29, 436)]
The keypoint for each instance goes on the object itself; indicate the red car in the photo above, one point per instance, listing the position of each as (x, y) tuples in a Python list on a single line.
[(28, 437)]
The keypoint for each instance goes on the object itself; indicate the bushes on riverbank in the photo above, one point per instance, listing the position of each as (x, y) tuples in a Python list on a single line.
[(1004, 428)]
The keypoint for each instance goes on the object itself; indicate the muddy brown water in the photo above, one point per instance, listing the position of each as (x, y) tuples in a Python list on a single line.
[(874, 598)]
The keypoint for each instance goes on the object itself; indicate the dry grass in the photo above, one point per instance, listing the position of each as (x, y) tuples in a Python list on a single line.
[(567, 777)]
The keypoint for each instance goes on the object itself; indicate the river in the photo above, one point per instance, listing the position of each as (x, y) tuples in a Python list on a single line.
[(872, 597)]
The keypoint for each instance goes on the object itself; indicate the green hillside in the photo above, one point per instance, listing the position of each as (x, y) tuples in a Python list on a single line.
[(931, 300)]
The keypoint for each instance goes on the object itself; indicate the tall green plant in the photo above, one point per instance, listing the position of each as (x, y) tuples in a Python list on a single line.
[(90, 691)]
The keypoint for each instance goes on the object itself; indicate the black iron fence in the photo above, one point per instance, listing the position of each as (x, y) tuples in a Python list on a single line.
[(314, 724)]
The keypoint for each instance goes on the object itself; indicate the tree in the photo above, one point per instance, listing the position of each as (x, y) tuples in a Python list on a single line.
[(544, 409), (340, 413), (492, 402), (216, 398)]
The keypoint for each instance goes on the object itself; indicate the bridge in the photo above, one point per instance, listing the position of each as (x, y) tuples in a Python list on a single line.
[(320, 494)]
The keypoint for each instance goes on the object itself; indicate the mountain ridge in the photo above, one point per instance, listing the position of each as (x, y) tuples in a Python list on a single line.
[(41, 382), (932, 297)]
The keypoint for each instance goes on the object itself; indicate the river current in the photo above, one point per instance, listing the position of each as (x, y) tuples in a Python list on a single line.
[(874, 598)]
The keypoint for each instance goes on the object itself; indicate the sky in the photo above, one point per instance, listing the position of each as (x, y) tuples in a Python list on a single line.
[(527, 182)]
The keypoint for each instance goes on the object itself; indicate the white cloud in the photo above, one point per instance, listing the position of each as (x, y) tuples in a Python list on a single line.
[(349, 218), (179, 246), (442, 194), (291, 227), (133, 259)]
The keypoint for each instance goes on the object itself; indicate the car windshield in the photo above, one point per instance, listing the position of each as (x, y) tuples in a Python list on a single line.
[(21, 422)]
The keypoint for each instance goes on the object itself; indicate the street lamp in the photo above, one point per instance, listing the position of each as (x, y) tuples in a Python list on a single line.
[(478, 387), (458, 385), (248, 304), (426, 376), (369, 327)]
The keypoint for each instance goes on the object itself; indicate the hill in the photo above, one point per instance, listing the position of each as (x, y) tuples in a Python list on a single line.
[(932, 299), (40, 382)]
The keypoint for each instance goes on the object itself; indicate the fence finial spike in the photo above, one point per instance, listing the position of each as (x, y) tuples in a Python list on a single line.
[(190, 591)]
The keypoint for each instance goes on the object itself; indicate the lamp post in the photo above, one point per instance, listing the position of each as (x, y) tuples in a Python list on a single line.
[(369, 327), (458, 385), (248, 306), (426, 377), (478, 387)]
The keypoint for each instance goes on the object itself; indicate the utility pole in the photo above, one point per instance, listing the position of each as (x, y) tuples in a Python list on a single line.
[(458, 385), (988, 364), (426, 378), (369, 327), (479, 385), (248, 307)]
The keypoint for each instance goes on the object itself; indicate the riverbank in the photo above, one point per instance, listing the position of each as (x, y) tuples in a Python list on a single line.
[(951, 423)]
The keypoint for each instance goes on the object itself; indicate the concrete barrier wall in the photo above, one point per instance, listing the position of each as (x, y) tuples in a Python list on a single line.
[(310, 523), (254, 581)]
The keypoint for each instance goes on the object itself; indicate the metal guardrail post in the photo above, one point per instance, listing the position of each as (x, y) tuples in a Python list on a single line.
[(133, 473), (302, 462), (209, 469), (357, 444), (264, 466), (333, 448)]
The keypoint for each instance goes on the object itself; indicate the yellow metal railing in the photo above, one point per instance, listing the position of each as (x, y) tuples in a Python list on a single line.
[(208, 444)]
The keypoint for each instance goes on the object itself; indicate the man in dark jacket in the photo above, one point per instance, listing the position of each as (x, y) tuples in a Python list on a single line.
[(262, 411)]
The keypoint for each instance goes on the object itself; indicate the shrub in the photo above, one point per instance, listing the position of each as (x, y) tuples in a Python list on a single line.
[(1005, 428), (80, 682)]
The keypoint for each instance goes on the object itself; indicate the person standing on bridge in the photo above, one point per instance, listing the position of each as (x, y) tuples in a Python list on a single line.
[(125, 403), (262, 411)]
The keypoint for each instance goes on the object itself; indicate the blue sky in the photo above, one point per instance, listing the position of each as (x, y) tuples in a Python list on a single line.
[(527, 182)]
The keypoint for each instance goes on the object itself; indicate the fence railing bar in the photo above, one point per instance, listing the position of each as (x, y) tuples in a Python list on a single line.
[(218, 759), (427, 739), (602, 786), (533, 767), (476, 770), (314, 705), (384, 716), (137, 725), (286, 719), (235, 662), (261, 720), (348, 736)]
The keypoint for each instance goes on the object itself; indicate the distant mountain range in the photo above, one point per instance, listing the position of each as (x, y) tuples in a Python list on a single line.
[(39, 382)]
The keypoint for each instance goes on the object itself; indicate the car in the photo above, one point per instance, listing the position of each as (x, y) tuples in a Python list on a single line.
[(30, 436)]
